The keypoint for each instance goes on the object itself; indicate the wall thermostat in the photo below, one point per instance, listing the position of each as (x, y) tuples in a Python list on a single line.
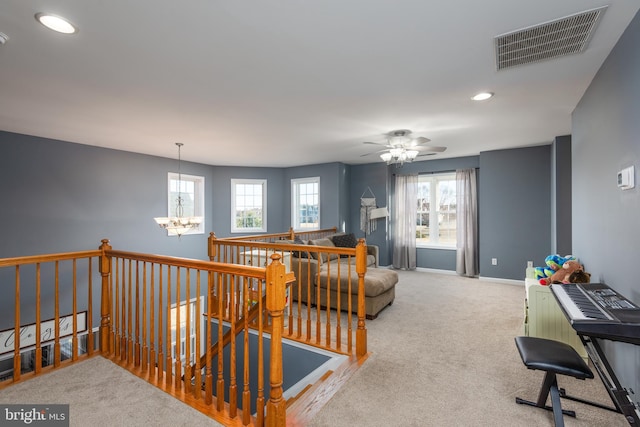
[(626, 178)]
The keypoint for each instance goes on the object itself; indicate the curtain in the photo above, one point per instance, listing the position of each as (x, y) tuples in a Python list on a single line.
[(467, 223), (404, 232)]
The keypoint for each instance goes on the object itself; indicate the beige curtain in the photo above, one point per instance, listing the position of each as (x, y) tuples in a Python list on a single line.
[(404, 222), (467, 223)]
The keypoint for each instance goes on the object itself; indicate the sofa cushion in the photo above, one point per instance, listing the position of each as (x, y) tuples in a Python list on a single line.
[(326, 242), (299, 254), (345, 240), (371, 261), (376, 281)]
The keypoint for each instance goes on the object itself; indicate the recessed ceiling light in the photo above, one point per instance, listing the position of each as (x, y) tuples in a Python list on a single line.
[(482, 96), (56, 23)]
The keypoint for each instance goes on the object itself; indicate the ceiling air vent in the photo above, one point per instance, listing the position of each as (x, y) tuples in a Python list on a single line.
[(564, 36)]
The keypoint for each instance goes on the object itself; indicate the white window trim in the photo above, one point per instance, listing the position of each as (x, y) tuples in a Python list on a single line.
[(262, 182), (295, 221), (198, 203), (437, 245)]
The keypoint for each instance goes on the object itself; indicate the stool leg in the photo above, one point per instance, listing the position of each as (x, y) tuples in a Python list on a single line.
[(555, 404), (549, 386), (549, 381)]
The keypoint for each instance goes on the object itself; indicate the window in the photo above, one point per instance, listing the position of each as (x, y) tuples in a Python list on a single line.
[(305, 203), (191, 189), (436, 219), (248, 205)]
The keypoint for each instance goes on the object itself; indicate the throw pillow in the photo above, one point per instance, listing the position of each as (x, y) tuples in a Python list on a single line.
[(323, 256), (345, 240), (300, 254)]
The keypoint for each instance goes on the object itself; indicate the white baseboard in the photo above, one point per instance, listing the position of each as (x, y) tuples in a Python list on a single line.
[(437, 271), (505, 281), (453, 273)]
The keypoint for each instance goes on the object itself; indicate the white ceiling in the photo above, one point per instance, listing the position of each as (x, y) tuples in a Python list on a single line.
[(289, 82)]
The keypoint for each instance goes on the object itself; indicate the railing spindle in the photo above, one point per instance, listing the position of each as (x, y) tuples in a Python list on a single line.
[(187, 338), (74, 338), (145, 348), (136, 351), (168, 362), (160, 368), (17, 366), (246, 393), (38, 355), (56, 343), (178, 343)]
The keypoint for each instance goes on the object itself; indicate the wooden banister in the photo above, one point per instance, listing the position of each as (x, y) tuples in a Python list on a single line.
[(276, 297)]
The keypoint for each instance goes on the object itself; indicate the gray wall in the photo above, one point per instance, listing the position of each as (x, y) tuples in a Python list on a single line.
[(514, 210), (63, 197), (561, 195), (374, 176), (606, 228)]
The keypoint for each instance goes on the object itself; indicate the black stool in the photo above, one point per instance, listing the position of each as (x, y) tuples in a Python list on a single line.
[(553, 357)]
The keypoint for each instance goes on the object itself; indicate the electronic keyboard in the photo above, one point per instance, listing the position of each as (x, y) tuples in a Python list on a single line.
[(596, 310)]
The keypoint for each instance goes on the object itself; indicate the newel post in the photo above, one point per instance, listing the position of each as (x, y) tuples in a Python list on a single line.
[(276, 296), (361, 269), (211, 249), (105, 303)]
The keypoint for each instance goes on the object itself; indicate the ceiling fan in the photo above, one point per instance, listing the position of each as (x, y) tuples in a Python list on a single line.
[(401, 147)]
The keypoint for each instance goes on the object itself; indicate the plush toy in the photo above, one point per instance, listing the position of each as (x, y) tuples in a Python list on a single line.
[(554, 263), (580, 276), (563, 274)]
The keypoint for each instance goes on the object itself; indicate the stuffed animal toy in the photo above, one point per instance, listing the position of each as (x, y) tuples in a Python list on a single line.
[(563, 274), (554, 263), (580, 276)]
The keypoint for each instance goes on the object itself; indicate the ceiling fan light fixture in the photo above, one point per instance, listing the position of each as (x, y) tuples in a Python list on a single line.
[(412, 154), (386, 157), (56, 23), (482, 96), (396, 152)]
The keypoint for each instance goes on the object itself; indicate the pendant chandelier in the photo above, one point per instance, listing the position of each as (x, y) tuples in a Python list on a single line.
[(179, 224)]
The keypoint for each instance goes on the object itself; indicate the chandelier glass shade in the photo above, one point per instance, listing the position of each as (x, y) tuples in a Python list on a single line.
[(179, 224), (399, 155)]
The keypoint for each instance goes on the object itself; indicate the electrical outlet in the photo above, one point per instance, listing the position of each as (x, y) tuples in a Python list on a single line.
[(494, 261)]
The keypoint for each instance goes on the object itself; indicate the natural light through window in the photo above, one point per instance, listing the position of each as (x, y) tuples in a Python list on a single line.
[(190, 189), (305, 203), (436, 219), (248, 205)]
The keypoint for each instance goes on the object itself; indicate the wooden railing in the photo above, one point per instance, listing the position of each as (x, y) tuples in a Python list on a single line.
[(48, 312), (150, 311), (315, 289)]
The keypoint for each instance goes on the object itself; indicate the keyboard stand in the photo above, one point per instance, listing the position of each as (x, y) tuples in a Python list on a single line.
[(617, 393)]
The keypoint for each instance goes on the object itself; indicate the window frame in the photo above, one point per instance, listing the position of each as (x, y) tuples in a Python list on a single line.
[(295, 202), (198, 200), (247, 181), (434, 179)]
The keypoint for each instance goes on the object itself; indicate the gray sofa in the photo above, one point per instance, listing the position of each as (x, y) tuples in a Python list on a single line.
[(317, 269)]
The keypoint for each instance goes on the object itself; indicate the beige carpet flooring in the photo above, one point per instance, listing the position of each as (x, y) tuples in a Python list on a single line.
[(442, 355)]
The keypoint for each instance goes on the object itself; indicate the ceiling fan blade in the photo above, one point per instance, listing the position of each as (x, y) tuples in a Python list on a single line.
[(374, 143), (421, 140), (426, 154), (432, 149), (374, 152)]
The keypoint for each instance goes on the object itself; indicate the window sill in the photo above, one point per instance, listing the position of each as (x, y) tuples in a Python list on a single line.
[(441, 247)]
